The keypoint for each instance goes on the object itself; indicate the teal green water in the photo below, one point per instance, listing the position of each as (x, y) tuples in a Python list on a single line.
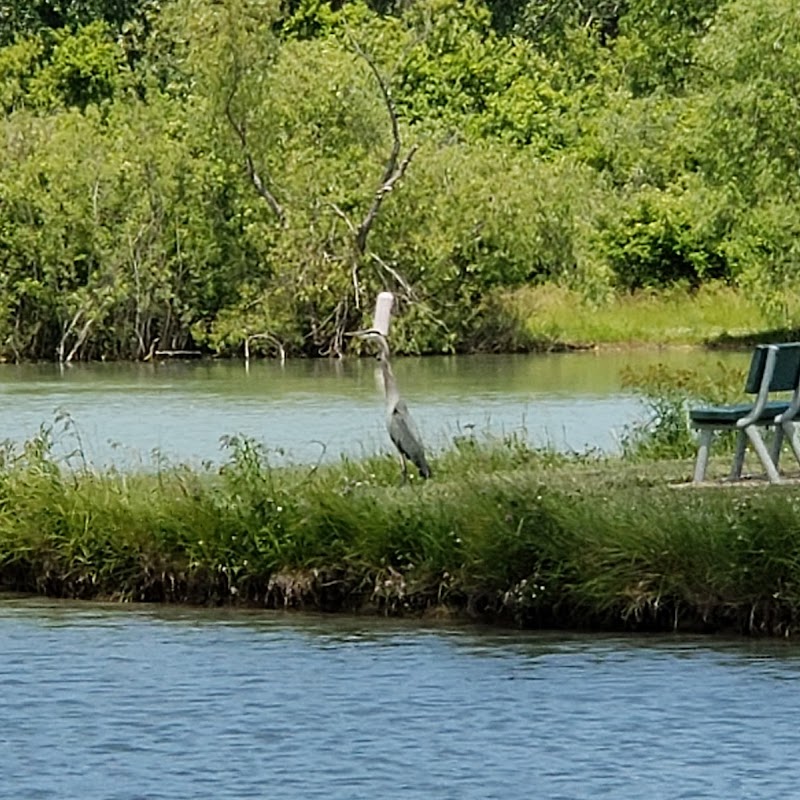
[(120, 704), (123, 413)]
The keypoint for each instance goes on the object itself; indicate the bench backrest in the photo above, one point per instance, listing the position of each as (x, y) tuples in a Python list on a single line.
[(785, 376)]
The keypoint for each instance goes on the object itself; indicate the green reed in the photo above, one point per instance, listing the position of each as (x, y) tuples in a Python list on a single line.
[(504, 532)]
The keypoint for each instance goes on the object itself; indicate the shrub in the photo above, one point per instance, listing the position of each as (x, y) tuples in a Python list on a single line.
[(659, 241)]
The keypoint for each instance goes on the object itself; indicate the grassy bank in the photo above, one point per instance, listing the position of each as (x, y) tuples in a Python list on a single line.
[(503, 533), (714, 314)]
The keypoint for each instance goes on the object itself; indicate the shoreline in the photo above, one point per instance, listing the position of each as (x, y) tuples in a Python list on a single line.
[(504, 535), (437, 614)]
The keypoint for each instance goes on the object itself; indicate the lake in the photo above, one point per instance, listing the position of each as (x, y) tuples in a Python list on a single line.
[(306, 410), (122, 703)]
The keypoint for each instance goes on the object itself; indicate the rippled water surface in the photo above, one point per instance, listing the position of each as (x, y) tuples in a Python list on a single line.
[(122, 413), (102, 702)]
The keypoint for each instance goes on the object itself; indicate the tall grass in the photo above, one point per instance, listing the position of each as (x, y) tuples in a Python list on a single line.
[(669, 393), (550, 314), (505, 532)]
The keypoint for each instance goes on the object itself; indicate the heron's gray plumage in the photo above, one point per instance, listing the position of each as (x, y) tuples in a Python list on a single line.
[(402, 430)]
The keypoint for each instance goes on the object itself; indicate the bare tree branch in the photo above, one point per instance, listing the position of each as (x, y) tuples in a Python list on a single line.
[(80, 339), (252, 173), (343, 216), (354, 261), (80, 336), (267, 337), (393, 171), (396, 275), (67, 331), (421, 305)]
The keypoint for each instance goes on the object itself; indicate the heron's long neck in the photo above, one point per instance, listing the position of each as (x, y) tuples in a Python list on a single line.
[(389, 382)]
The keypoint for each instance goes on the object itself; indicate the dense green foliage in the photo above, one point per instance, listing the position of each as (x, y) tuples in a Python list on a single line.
[(192, 174), (20, 18), (504, 533)]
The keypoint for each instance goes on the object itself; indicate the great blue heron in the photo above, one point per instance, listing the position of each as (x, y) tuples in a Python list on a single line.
[(402, 430)]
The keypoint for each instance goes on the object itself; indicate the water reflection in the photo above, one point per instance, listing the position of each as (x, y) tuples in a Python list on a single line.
[(305, 410), (324, 630)]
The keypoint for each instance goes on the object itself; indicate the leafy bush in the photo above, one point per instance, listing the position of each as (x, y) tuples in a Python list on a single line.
[(658, 242), (20, 18), (747, 78), (195, 174), (658, 40), (764, 253), (82, 68)]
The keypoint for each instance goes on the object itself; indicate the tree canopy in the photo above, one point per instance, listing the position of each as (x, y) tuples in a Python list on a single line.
[(187, 173)]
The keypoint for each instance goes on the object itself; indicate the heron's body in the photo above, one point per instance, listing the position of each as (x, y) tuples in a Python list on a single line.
[(402, 430), (400, 424)]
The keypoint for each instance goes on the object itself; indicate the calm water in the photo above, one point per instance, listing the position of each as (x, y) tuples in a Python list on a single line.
[(122, 413), (146, 703)]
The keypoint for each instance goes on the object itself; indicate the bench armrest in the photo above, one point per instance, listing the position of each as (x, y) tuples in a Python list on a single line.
[(791, 412), (763, 390)]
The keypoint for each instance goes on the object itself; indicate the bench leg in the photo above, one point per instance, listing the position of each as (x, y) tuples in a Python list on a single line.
[(706, 435), (738, 456), (763, 454), (777, 443), (791, 435)]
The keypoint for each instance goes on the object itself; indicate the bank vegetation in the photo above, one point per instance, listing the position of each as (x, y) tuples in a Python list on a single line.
[(245, 176), (505, 533)]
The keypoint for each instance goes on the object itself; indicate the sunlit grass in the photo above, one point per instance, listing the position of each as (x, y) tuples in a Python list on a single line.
[(503, 531), (550, 313)]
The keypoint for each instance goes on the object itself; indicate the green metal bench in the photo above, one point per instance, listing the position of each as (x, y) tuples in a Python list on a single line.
[(774, 368)]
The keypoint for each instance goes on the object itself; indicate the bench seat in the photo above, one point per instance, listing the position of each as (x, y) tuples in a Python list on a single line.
[(730, 415)]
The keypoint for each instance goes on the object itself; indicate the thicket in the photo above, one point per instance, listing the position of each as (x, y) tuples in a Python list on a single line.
[(190, 174)]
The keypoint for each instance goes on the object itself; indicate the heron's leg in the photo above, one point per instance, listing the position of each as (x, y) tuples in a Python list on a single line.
[(404, 469)]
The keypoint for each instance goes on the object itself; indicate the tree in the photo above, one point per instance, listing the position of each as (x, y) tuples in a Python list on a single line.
[(314, 125), (749, 76), (658, 39), (547, 23), (25, 17)]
